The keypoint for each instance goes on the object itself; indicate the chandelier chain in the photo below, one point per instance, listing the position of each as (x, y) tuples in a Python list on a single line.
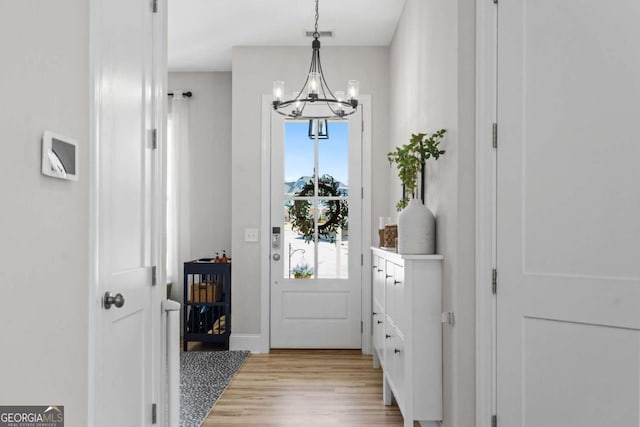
[(316, 34)]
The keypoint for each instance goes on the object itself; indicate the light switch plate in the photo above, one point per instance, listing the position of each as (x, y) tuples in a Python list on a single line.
[(250, 234)]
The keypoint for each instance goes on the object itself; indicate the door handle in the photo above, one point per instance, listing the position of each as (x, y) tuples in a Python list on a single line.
[(111, 299), (276, 257)]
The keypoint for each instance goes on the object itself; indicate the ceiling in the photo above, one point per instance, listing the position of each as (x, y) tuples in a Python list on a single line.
[(202, 32)]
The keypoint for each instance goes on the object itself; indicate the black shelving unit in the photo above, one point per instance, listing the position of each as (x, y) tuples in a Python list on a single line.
[(207, 302)]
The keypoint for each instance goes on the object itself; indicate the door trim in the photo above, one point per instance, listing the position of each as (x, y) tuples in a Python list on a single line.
[(486, 196), (159, 90), (265, 224), (93, 306)]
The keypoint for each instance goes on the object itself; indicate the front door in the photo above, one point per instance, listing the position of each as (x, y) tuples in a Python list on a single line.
[(568, 212), (123, 39), (316, 198)]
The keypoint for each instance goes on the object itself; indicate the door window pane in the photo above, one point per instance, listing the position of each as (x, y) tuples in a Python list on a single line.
[(298, 254), (298, 158), (333, 153), (333, 248)]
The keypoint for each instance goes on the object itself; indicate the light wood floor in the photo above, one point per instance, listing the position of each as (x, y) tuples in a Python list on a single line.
[(305, 388)]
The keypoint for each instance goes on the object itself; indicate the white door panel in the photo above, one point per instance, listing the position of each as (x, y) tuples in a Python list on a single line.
[(323, 311), (568, 214), (123, 380)]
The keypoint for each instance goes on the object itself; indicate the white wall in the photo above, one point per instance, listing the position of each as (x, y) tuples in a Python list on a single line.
[(209, 160), (254, 70), (44, 233), (432, 87)]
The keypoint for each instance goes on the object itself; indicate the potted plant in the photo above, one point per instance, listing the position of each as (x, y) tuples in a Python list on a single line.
[(302, 271), (416, 223)]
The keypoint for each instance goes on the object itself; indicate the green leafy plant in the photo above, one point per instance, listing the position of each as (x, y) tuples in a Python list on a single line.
[(411, 158), (302, 271)]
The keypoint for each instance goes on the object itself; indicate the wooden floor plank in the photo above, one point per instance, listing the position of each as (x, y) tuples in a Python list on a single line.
[(305, 388)]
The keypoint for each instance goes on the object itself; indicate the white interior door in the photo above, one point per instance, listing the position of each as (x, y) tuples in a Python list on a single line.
[(315, 267), (125, 243), (568, 213)]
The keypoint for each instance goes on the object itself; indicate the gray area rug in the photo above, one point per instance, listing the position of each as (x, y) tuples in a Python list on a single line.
[(204, 375)]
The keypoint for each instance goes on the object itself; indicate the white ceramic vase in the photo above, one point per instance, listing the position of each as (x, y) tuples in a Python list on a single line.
[(416, 229)]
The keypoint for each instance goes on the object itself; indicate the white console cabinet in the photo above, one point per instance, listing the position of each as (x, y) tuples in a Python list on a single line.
[(407, 333)]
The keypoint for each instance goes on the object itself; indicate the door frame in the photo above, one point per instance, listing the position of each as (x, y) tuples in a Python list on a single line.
[(265, 226), (486, 220), (158, 92)]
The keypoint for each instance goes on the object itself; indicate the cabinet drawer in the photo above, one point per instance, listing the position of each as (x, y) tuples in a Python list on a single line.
[(377, 275), (378, 329), (394, 285), (395, 364), (402, 307)]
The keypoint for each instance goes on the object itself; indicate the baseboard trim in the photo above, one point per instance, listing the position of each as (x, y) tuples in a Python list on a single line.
[(251, 342)]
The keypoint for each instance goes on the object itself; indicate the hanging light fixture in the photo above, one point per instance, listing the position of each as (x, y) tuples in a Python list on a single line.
[(315, 100), (322, 131)]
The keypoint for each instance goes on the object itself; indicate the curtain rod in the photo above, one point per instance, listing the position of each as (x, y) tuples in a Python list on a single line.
[(184, 94)]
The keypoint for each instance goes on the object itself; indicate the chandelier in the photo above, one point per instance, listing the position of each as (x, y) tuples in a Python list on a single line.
[(315, 100)]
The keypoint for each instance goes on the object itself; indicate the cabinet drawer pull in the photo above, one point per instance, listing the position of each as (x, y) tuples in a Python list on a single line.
[(386, 276), (387, 336), (395, 282), (374, 313), (396, 351), (379, 321), (375, 267)]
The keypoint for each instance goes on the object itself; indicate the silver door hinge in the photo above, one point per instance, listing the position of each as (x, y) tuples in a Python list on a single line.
[(362, 193), (154, 413), (495, 135), (361, 327), (154, 275), (362, 259), (494, 281), (448, 317), (494, 418), (154, 8), (154, 138)]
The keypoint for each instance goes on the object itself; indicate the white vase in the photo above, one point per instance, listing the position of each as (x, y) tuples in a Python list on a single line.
[(416, 229)]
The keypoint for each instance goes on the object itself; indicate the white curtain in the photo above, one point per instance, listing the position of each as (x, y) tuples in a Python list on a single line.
[(178, 200)]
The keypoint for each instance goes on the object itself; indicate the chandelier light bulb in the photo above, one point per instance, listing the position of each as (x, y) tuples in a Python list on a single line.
[(278, 91), (297, 105), (340, 98), (353, 87), (314, 84)]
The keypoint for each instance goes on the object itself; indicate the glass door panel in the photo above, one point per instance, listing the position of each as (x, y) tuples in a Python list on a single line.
[(333, 154), (316, 207), (333, 248), (299, 155)]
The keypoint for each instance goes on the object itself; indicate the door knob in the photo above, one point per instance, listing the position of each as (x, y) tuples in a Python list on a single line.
[(110, 299), (276, 257)]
